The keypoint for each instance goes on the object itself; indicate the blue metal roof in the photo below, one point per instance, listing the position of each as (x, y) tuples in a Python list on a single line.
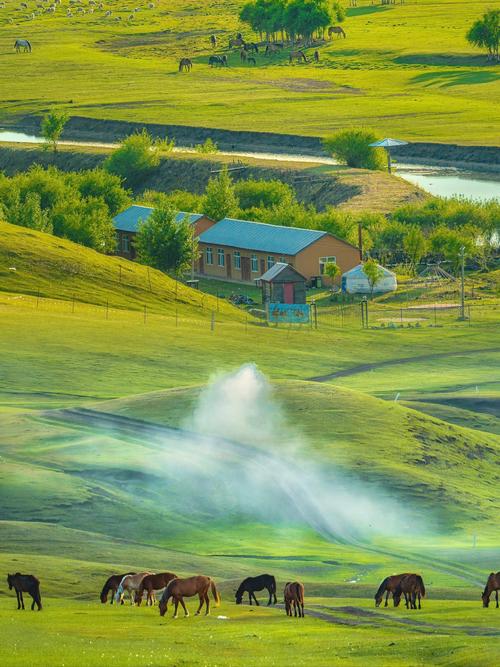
[(260, 236), (128, 220)]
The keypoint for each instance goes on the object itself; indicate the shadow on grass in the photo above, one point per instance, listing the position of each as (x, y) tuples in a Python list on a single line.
[(442, 60), (450, 78), (363, 11)]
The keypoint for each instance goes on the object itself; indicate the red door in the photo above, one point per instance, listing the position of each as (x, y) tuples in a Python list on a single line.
[(288, 292), (201, 264)]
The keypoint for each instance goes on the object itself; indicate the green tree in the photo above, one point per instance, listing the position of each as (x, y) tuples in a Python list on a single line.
[(135, 158), (447, 244), (207, 147), (84, 221), (52, 127), (100, 184), (165, 244), (352, 147), (332, 270), (415, 246), (373, 273), (485, 33), (263, 194), (220, 200)]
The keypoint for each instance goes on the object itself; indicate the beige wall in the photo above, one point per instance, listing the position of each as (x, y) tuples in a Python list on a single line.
[(236, 274)]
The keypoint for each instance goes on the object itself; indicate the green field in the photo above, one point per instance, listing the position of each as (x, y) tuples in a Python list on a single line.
[(332, 483), (406, 70)]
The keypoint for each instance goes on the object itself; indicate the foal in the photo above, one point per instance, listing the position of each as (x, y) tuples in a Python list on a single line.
[(25, 583), (294, 597)]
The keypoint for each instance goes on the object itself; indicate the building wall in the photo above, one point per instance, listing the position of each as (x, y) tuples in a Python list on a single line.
[(202, 225), (307, 262)]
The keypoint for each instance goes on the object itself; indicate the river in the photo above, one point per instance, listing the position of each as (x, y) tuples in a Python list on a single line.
[(440, 181)]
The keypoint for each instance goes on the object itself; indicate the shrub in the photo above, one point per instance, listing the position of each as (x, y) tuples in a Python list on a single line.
[(208, 146), (52, 127), (352, 147), (135, 158), (263, 194)]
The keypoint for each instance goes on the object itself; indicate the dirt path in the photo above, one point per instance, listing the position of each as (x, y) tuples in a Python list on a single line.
[(363, 368)]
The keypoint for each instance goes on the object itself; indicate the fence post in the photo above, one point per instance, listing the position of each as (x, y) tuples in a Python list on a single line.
[(107, 308), (37, 299), (73, 304), (145, 313), (120, 273), (212, 321), (176, 317), (149, 281), (315, 314)]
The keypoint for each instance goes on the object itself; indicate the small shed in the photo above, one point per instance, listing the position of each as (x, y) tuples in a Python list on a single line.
[(282, 284), (356, 282)]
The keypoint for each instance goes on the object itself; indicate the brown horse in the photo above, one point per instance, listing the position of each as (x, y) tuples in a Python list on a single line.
[(300, 55), (185, 65), (336, 30), (152, 583), (294, 597), (493, 584), (130, 583), (412, 587), (180, 588), (25, 583), (111, 585), (388, 586)]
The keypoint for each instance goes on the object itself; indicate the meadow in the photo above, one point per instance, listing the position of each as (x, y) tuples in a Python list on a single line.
[(406, 70), (99, 408)]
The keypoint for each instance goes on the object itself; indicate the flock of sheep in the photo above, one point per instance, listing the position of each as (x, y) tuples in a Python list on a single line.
[(75, 8)]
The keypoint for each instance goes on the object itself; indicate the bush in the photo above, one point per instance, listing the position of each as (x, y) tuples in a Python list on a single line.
[(263, 194), (208, 146), (135, 158), (352, 147), (52, 127)]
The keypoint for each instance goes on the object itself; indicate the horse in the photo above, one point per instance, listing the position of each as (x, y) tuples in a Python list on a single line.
[(388, 586), (336, 30), (251, 60), (152, 583), (180, 588), (252, 584), (316, 56), (185, 65), (273, 48), (22, 44), (217, 61), (243, 56), (493, 584), (300, 55), (213, 41), (112, 584), (238, 41), (25, 583), (251, 47), (129, 583), (411, 586), (294, 597)]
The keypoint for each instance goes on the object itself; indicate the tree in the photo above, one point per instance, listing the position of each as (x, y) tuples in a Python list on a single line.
[(165, 244), (100, 184), (415, 246), (84, 221), (485, 33), (352, 147), (135, 158), (29, 213), (263, 194), (373, 273), (447, 244), (208, 146), (220, 200), (52, 127), (332, 270)]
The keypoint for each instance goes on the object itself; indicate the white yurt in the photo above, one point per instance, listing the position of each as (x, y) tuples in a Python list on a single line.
[(355, 281)]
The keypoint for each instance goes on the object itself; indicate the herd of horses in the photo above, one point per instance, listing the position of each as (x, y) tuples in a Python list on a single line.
[(408, 585)]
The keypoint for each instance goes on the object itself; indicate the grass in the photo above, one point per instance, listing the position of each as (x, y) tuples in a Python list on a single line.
[(406, 70)]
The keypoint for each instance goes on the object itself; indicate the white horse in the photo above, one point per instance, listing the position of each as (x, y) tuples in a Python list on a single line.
[(22, 44), (130, 583)]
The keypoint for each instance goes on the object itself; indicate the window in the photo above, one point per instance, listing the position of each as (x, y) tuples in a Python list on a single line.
[(210, 256), (270, 261), (125, 244), (221, 258), (255, 264), (283, 260), (323, 261), (237, 260)]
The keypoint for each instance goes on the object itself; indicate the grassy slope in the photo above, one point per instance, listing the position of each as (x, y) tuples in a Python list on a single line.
[(407, 70)]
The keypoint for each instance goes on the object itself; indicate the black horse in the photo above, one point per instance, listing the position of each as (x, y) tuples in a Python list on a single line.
[(252, 584), (25, 583), (218, 61)]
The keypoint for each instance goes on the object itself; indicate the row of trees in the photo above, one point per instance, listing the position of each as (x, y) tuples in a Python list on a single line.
[(291, 19)]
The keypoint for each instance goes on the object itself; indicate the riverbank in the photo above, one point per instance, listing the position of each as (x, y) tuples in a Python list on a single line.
[(80, 128)]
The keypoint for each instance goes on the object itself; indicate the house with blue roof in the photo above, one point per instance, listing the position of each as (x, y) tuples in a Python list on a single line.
[(242, 250), (127, 223)]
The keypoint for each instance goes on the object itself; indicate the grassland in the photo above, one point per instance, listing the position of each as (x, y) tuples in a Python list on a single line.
[(90, 479), (406, 70)]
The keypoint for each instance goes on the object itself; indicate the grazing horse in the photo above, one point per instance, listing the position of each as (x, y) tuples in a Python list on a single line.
[(294, 597), (152, 583), (218, 61), (213, 41), (273, 48), (239, 41), (388, 586), (185, 65), (336, 30), (252, 584), (22, 44), (411, 586), (493, 584), (180, 588), (112, 584), (129, 583), (300, 55), (25, 583)]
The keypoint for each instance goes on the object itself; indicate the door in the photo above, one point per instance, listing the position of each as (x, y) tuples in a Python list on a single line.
[(288, 292), (202, 264), (228, 265), (245, 268), (262, 267)]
